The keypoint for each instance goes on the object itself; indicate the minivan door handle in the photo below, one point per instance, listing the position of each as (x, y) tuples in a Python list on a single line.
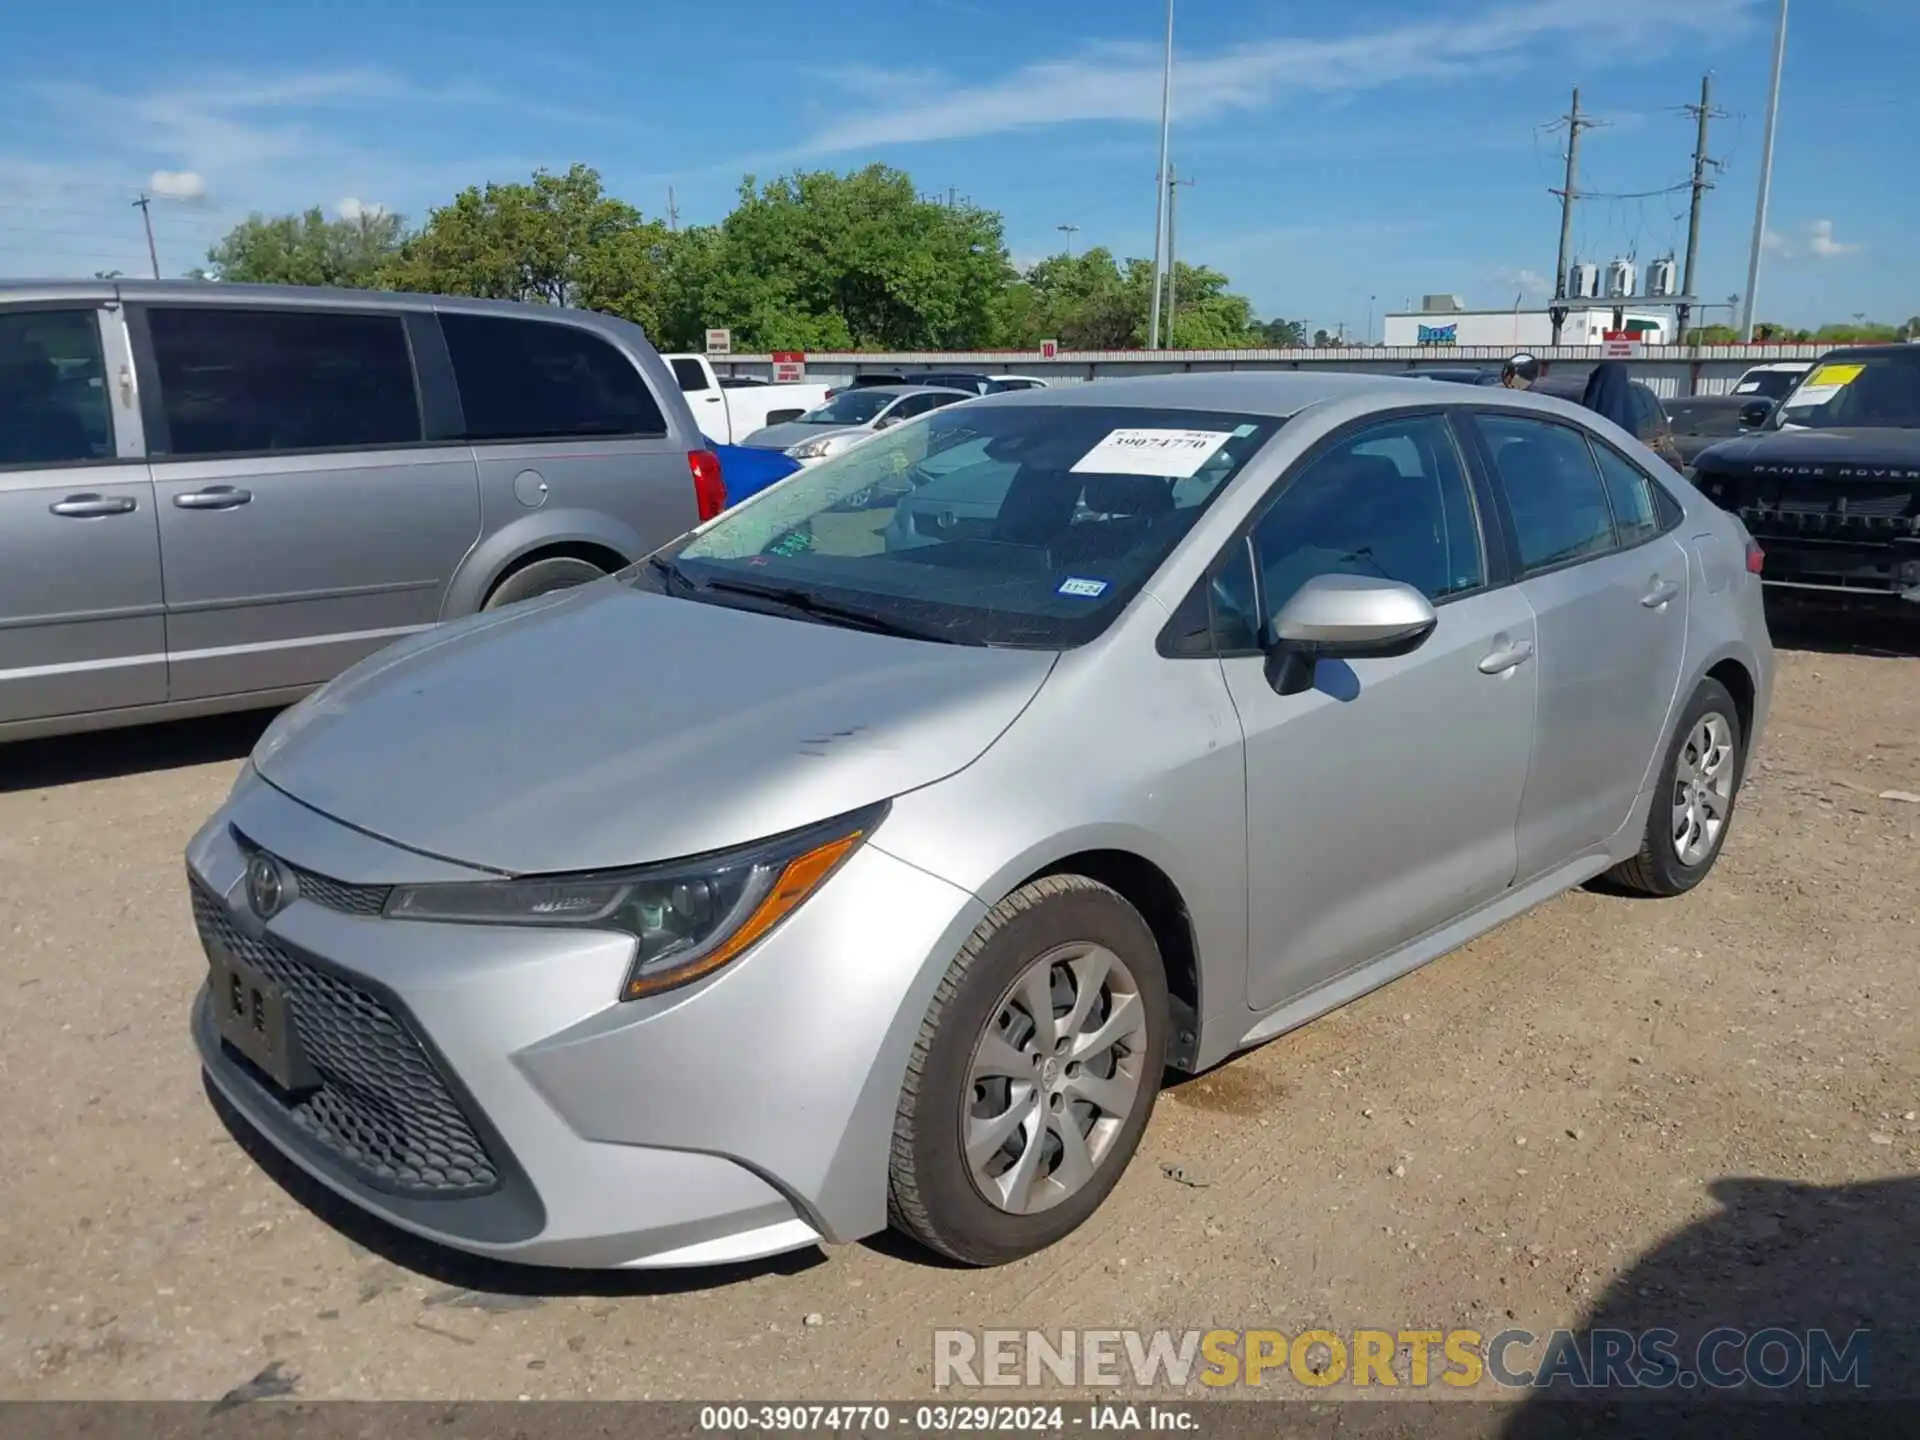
[(1661, 593), (90, 506), (1507, 658), (214, 497)]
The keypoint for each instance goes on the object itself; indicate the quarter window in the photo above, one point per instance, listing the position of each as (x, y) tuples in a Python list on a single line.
[(239, 382), (1631, 492), (689, 375), (539, 379), (1553, 489), (54, 408), (1390, 501)]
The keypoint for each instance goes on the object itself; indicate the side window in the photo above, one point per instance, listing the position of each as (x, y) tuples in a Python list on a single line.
[(690, 375), (1553, 488), (539, 379), (239, 382), (54, 407), (1392, 500), (1631, 493)]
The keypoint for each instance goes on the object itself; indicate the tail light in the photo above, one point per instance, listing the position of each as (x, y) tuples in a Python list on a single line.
[(709, 489), (1756, 557)]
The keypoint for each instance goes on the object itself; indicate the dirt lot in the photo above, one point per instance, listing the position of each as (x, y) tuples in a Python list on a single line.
[(1609, 1107)]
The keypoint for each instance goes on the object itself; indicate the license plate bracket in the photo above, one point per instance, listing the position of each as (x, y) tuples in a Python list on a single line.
[(253, 1015)]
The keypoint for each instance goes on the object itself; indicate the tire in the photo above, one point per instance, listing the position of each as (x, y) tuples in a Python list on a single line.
[(1082, 929), (1666, 865), (542, 577)]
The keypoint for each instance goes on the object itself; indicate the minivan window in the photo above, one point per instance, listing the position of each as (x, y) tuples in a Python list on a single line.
[(540, 379), (1553, 489), (240, 382), (689, 373), (54, 407), (1029, 524)]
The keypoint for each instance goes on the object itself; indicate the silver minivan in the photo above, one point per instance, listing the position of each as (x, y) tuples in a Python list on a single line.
[(215, 497)]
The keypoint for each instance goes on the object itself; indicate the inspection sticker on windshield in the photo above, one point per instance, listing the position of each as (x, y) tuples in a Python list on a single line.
[(1080, 585), (1835, 375), (1170, 454)]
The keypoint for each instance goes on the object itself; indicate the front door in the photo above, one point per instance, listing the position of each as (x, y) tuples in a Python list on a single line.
[(304, 523), (1381, 802), (1610, 591), (81, 624)]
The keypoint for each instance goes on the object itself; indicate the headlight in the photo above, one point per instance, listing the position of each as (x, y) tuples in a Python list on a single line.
[(812, 449), (688, 917)]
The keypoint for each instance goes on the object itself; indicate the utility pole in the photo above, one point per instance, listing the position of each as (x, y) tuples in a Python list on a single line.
[(145, 206), (1069, 231), (673, 214), (1703, 112), (1161, 183), (1575, 122), (1766, 175), (1173, 268)]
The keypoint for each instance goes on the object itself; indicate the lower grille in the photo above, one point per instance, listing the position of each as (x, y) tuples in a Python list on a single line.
[(381, 1107)]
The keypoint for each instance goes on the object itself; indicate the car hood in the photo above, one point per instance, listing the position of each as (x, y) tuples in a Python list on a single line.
[(792, 432), (610, 726), (1815, 453)]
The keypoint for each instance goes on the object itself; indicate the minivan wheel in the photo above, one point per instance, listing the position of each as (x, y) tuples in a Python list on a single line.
[(542, 577), (1033, 1075), (1693, 802)]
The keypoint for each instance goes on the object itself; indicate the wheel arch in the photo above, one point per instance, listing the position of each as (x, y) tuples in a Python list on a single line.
[(579, 534)]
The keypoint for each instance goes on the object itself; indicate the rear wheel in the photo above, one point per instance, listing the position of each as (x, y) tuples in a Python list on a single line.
[(1693, 802), (542, 577), (1034, 1074)]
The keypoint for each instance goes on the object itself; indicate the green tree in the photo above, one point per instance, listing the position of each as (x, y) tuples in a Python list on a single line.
[(1091, 301), (1206, 315), (308, 249), (817, 260), (1322, 340), (1282, 334), (556, 239)]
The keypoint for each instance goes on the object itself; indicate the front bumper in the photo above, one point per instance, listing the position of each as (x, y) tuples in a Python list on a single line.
[(742, 1116)]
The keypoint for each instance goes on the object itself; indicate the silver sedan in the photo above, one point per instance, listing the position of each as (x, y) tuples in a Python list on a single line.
[(800, 881)]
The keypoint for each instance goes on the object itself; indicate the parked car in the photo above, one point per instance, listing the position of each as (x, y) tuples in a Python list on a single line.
[(1458, 375), (1651, 426), (235, 492), (979, 384), (868, 380), (1829, 481), (1771, 381), (731, 412), (861, 887), (850, 417), (1700, 421)]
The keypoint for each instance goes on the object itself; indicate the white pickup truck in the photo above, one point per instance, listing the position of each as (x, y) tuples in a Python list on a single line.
[(729, 412)]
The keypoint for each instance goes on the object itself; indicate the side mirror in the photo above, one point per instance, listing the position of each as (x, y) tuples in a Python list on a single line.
[(1756, 413), (1334, 617)]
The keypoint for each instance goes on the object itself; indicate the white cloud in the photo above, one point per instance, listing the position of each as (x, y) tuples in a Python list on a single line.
[(1822, 245), (352, 209), (1530, 282), (1121, 82), (1815, 240), (183, 185)]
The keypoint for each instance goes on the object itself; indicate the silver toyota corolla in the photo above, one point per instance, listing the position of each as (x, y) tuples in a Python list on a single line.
[(813, 876)]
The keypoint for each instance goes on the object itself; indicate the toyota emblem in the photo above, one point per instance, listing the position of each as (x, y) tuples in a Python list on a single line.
[(267, 888)]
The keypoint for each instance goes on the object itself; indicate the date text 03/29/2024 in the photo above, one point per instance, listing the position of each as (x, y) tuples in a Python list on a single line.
[(938, 1418)]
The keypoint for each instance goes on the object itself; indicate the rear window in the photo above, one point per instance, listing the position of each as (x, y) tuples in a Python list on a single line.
[(689, 374), (541, 379)]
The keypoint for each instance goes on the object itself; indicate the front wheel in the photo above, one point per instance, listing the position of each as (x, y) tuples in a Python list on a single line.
[(1033, 1076), (1693, 801)]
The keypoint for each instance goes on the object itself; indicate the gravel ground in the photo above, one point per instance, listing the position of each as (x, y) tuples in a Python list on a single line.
[(1609, 1108)]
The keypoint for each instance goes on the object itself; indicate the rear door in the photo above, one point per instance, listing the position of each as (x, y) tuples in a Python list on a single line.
[(1609, 589), (306, 520), (561, 420), (81, 624)]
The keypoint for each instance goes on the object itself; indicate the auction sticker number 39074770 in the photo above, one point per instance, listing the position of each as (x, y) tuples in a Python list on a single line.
[(1171, 454)]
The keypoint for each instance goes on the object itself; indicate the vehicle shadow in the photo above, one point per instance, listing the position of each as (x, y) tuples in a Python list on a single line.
[(476, 1282), (1776, 1255), (110, 754), (1839, 632)]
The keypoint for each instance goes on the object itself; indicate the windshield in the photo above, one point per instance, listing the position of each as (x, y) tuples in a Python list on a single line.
[(1767, 384), (849, 407), (1872, 391), (1703, 417), (1013, 524)]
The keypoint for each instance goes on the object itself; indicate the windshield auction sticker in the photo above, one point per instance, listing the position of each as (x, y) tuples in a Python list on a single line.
[(1823, 384), (1170, 454)]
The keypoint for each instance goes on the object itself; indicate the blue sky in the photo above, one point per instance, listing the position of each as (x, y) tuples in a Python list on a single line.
[(1346, 157)]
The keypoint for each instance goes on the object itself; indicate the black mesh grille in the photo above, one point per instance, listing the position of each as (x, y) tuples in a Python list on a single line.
[(338, 894), (381, 1106)]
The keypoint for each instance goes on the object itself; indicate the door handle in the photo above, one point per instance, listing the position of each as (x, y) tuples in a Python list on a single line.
[(1660, 594), (87, 507), (214, 497), (1507, 658)]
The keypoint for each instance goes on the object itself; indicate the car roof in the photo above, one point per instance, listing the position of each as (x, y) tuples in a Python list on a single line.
[(1900, 354), (1278, 393)]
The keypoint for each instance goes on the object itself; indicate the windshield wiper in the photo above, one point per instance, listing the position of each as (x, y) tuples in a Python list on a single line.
[(807, 603), (671, 573)]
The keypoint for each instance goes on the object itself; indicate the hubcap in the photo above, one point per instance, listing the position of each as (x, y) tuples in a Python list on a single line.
[(1702, 789), (1054, 1077)]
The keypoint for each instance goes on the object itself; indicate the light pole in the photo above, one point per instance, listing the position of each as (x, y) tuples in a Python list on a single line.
[(1766, 175), (1160, 186), (1069, 231)]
